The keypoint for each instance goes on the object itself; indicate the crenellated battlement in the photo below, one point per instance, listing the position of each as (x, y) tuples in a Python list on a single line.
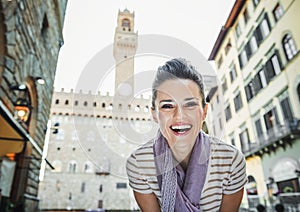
[(100, 106)]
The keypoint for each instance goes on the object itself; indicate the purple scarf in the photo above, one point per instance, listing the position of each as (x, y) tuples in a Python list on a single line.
[(181, 191)]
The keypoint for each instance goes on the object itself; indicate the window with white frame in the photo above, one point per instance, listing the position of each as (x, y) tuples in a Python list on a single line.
[(249, 90), (228, 114), (232, 73), (289, 47), (263, 29), (246, 16), (262, 78), (243, 59), (271, 118), (224, 85), (220, 61), (253, 44), (238, 104), (255, 2), (273, 66), (278, 12), (258, 127), (228, 47), (259, 81), (276, 64), (245, 141), (238, 30), (286, 108)]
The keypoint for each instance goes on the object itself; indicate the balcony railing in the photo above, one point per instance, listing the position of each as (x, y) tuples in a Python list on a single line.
[(278, 135)]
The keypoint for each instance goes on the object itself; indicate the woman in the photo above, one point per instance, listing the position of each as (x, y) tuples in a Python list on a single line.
[(184, 169)]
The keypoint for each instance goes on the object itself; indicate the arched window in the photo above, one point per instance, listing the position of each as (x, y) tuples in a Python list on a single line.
[(289, 47), (72, 166), (125, 22)]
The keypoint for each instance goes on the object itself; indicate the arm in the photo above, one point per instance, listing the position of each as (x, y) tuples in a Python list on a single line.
[(231, 202), (147, 202)]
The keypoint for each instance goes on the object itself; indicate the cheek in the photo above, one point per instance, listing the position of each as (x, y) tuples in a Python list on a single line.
[(163, 119), (197, 116)]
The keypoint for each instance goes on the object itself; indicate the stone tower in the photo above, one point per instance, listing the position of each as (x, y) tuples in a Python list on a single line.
[(125, 45)]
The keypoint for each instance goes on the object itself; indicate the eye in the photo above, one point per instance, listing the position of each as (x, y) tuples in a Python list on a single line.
[(191, 104), (167, 106)]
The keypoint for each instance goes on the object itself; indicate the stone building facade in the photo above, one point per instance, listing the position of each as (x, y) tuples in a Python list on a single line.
[(257, 60), (94, 139), (30, 40)]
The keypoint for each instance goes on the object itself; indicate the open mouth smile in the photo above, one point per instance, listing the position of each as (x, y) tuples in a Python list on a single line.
[(181, 129)]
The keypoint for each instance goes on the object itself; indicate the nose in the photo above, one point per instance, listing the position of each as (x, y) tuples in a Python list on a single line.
[(179, 113)]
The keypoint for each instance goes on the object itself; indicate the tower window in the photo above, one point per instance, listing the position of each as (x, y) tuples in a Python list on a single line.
[(125, 23)]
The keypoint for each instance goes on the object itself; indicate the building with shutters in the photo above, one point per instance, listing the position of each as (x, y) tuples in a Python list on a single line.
[(257, 62)]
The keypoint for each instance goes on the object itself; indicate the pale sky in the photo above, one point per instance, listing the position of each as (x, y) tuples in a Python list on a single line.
[(90, 25)]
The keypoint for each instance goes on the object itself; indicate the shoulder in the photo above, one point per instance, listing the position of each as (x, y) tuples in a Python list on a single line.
[(226, 155), (142, 158), (221, 147), (144, 150)]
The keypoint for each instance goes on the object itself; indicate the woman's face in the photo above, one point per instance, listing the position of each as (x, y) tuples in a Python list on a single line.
[(179, 112)]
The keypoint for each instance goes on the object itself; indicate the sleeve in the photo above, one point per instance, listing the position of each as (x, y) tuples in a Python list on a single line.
[(237, 178), (137, 179)]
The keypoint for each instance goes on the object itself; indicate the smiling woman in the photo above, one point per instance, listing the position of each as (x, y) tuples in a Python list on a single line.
[(184, 169)]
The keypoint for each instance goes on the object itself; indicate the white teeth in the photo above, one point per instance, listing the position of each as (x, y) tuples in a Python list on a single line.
[(180, 127)]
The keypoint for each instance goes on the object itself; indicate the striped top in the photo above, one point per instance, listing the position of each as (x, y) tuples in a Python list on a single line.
[(226, 173)]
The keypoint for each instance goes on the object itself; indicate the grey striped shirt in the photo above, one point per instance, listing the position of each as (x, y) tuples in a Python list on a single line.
[(226, 173)]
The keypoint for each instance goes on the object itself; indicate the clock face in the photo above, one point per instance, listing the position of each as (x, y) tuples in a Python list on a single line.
[(124, 89)]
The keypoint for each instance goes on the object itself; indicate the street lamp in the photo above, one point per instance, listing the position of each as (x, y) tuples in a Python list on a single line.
[(22, 109), (22, 105)]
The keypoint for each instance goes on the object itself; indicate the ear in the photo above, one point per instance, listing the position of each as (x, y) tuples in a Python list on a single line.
[(154, 115)]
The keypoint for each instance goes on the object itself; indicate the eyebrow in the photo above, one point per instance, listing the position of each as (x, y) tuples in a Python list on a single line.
[(191, 98), (186, 99)]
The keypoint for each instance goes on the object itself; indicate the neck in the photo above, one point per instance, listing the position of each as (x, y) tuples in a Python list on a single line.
[(182, 157)]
